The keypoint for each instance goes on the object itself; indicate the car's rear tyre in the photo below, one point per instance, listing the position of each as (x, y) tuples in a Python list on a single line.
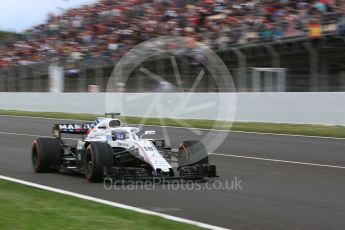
[(46, 155), (97, 156), (191, 153)]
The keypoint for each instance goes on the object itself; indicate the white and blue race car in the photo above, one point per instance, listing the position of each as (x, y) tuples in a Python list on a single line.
[(109, 148)]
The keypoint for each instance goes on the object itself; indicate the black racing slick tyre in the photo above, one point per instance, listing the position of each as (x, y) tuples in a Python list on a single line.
[(191, 153), (46, 155), (97, 156), (193, 161)]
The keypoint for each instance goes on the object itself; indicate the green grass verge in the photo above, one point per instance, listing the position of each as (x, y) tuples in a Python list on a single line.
[(296, 129), (24, 207)]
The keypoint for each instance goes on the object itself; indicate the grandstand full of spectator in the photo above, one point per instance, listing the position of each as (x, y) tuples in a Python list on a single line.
[(104, 31)]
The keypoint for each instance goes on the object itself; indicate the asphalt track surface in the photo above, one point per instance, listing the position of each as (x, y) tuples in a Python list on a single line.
[(274, 194)]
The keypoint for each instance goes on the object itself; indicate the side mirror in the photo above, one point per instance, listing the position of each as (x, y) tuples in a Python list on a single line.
[(150, 132)]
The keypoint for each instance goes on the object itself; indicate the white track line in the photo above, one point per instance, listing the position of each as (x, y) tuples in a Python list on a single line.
[(248, 132), (113, 204), (42, 118), (174, 127), (35, 135), (275, 160), (217, 154)]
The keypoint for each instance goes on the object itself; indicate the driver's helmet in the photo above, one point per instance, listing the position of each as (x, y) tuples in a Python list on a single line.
[(119, 135)]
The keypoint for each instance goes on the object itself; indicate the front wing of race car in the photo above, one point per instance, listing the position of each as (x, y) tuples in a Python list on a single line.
[(184, 173), (191, 159)]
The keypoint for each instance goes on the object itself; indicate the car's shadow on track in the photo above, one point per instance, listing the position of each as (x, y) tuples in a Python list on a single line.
[(71, 174)]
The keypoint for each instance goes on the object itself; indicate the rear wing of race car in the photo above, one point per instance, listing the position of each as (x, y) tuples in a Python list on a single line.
[(80, 129), (71, 129)]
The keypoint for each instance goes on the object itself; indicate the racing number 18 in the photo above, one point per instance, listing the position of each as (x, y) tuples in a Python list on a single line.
[(148, 148)]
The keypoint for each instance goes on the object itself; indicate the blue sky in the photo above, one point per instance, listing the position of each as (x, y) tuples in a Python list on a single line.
[(18, 15)]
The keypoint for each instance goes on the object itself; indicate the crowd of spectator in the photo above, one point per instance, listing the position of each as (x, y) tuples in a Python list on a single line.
[(104, 31)]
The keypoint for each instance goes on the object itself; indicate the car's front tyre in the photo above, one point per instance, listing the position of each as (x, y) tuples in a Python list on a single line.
[(97, 156)]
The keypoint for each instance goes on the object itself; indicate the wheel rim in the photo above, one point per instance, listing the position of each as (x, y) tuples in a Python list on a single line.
[(89, 163), (35, 158), (89, 166)]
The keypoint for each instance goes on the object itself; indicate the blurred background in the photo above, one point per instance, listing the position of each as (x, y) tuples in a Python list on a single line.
[(268, 46)]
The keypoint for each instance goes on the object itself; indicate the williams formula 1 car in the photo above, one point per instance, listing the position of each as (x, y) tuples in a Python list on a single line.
[(108, 148)]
